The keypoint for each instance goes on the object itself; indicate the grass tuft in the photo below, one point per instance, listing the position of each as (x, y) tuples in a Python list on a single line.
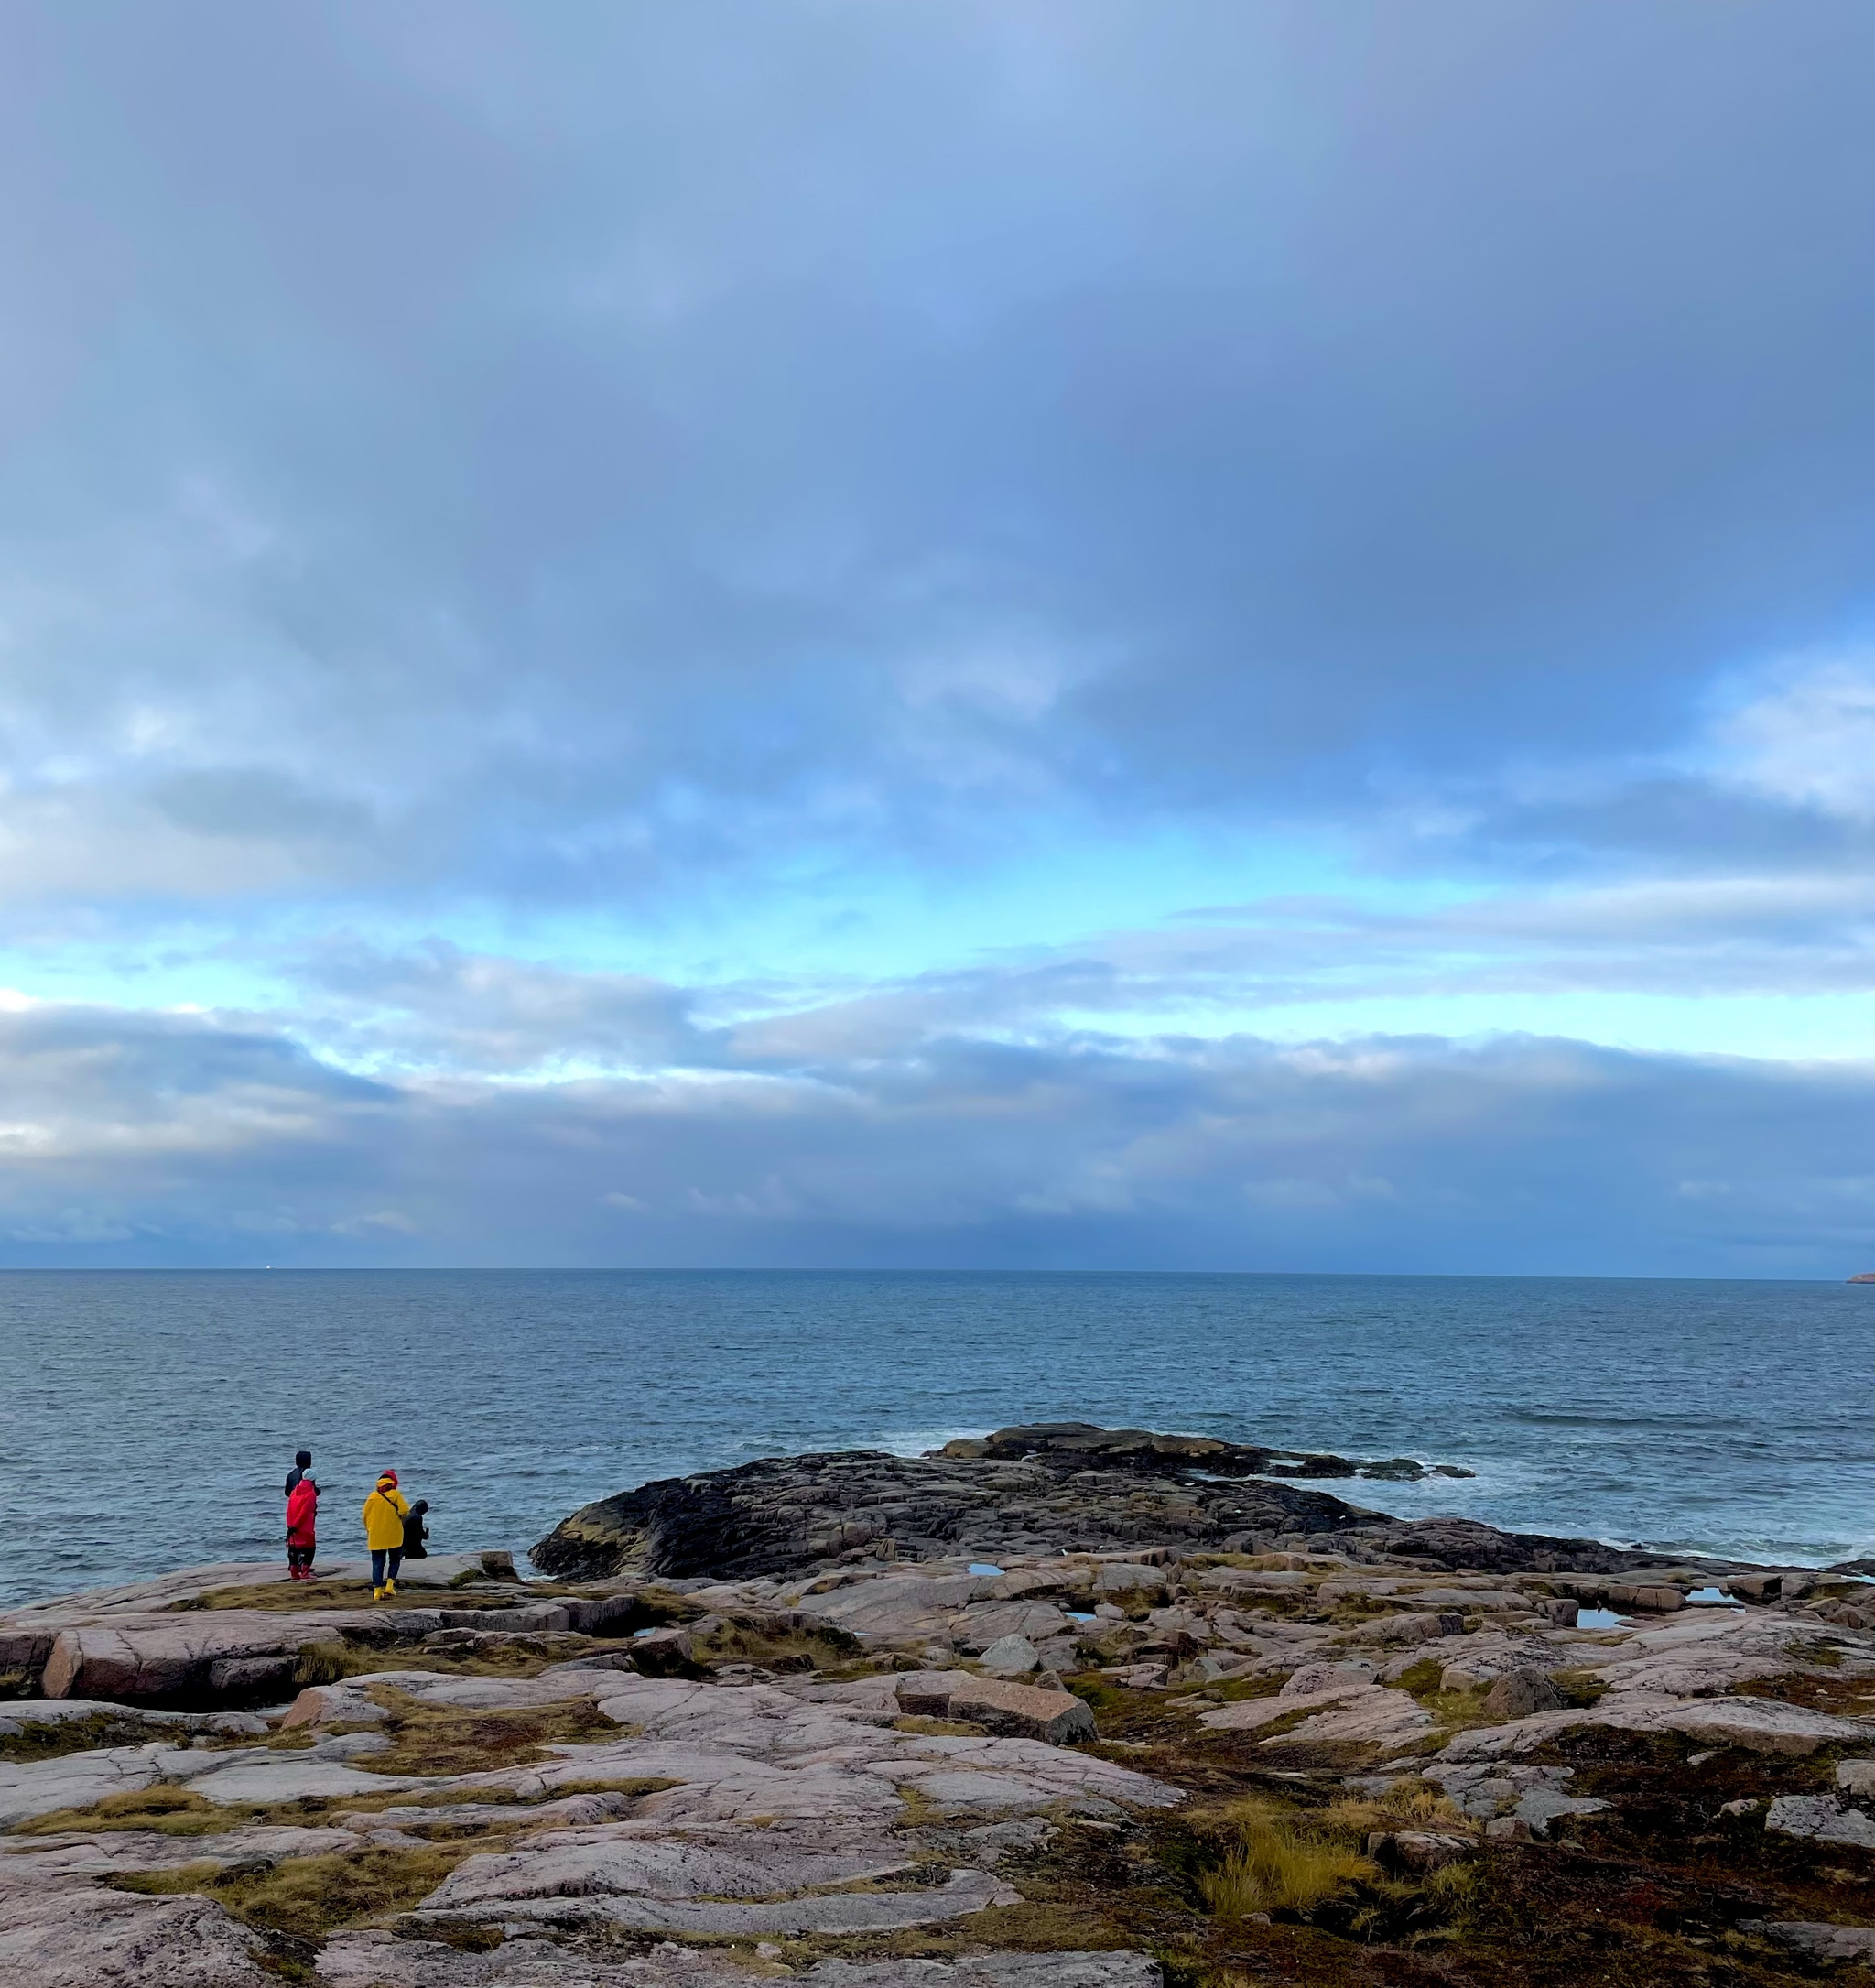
[(440, 1739), (326, 1663), (1281, 1862), (307, 1898), (169, 1811)]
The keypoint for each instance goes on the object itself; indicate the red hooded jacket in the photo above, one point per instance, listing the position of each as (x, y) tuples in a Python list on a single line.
[(302, 1510)]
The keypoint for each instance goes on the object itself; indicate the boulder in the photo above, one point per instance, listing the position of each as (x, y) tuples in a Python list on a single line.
[(664, 1653), (1023, 1711), (1142, 1677), (1011, 1657), (925, 1694), (1658, 1598), (1416, 1851), (252, 1676), (1519, 1694), (1406, 1629)]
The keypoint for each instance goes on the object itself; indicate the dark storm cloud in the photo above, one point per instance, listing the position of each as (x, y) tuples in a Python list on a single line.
[(531, 450), (184, 1142)]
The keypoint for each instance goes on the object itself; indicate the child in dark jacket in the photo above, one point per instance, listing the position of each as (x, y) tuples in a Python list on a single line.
[(416, 1532)]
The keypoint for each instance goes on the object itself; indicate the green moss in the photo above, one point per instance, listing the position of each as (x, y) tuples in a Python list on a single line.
[(1421, 1679)]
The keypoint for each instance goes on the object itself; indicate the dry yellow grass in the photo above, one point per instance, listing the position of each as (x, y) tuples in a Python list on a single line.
[(169, 1811), (1404, 1808), (1281, 1860)]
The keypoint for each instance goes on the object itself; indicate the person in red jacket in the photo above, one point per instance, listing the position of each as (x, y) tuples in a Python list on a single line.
[(302, 1515)]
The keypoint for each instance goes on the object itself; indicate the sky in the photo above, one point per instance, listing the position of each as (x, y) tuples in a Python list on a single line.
[(1205, 634)]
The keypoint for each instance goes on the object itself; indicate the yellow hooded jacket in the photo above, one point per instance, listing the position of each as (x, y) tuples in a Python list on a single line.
[(384, 1512)]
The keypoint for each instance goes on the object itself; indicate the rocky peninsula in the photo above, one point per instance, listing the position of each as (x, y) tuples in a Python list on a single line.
[(1062, 1708)]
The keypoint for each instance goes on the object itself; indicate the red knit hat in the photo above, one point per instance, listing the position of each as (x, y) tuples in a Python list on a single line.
[(391, 1474)]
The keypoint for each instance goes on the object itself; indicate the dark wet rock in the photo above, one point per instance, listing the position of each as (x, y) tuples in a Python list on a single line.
[(1146, 1452), (665, 1653), (1049, 1487), (1442, 1544), (784, 1515)]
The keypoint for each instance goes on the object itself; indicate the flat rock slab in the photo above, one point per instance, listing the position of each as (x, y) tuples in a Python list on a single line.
[(1356, 1711), (106, 1854), (1762, 1724), (83, 1936), (143, 1597), (54, 1711), (729, 1864), (257, 1775), (378, 1960), (288, 1777), (1822, 1818), (718, 1882), (968, 1892), (350, 1702), (1814, 1940), (36, 1788)]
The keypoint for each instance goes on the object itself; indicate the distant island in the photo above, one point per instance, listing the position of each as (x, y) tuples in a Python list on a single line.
[(1863, 1276)]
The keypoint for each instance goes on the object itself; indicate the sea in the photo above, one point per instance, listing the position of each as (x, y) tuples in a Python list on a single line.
[(147, 1419)]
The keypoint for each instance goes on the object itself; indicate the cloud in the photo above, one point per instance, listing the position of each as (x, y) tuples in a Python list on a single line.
[(518, 522), (183, 1141), (561, 456), (1803, 734)]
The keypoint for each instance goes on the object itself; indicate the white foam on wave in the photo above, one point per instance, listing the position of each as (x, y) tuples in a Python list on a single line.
[(916, 1442)]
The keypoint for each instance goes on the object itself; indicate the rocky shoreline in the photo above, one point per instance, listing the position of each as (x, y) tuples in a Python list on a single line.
[(1063, 1708), (1040, 1488)]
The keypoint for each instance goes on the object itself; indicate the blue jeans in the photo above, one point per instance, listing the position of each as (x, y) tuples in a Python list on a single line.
[(380, 1572)]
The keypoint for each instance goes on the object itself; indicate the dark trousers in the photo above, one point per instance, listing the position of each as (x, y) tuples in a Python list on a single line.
[(299, 1557), (384, 1563)]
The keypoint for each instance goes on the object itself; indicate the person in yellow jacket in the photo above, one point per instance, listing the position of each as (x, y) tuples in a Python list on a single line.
[(384, 1512)]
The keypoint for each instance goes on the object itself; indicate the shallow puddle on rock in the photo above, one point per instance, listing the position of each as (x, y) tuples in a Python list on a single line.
[(1599, 1618), (982, 1566), (1711, 1598)]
